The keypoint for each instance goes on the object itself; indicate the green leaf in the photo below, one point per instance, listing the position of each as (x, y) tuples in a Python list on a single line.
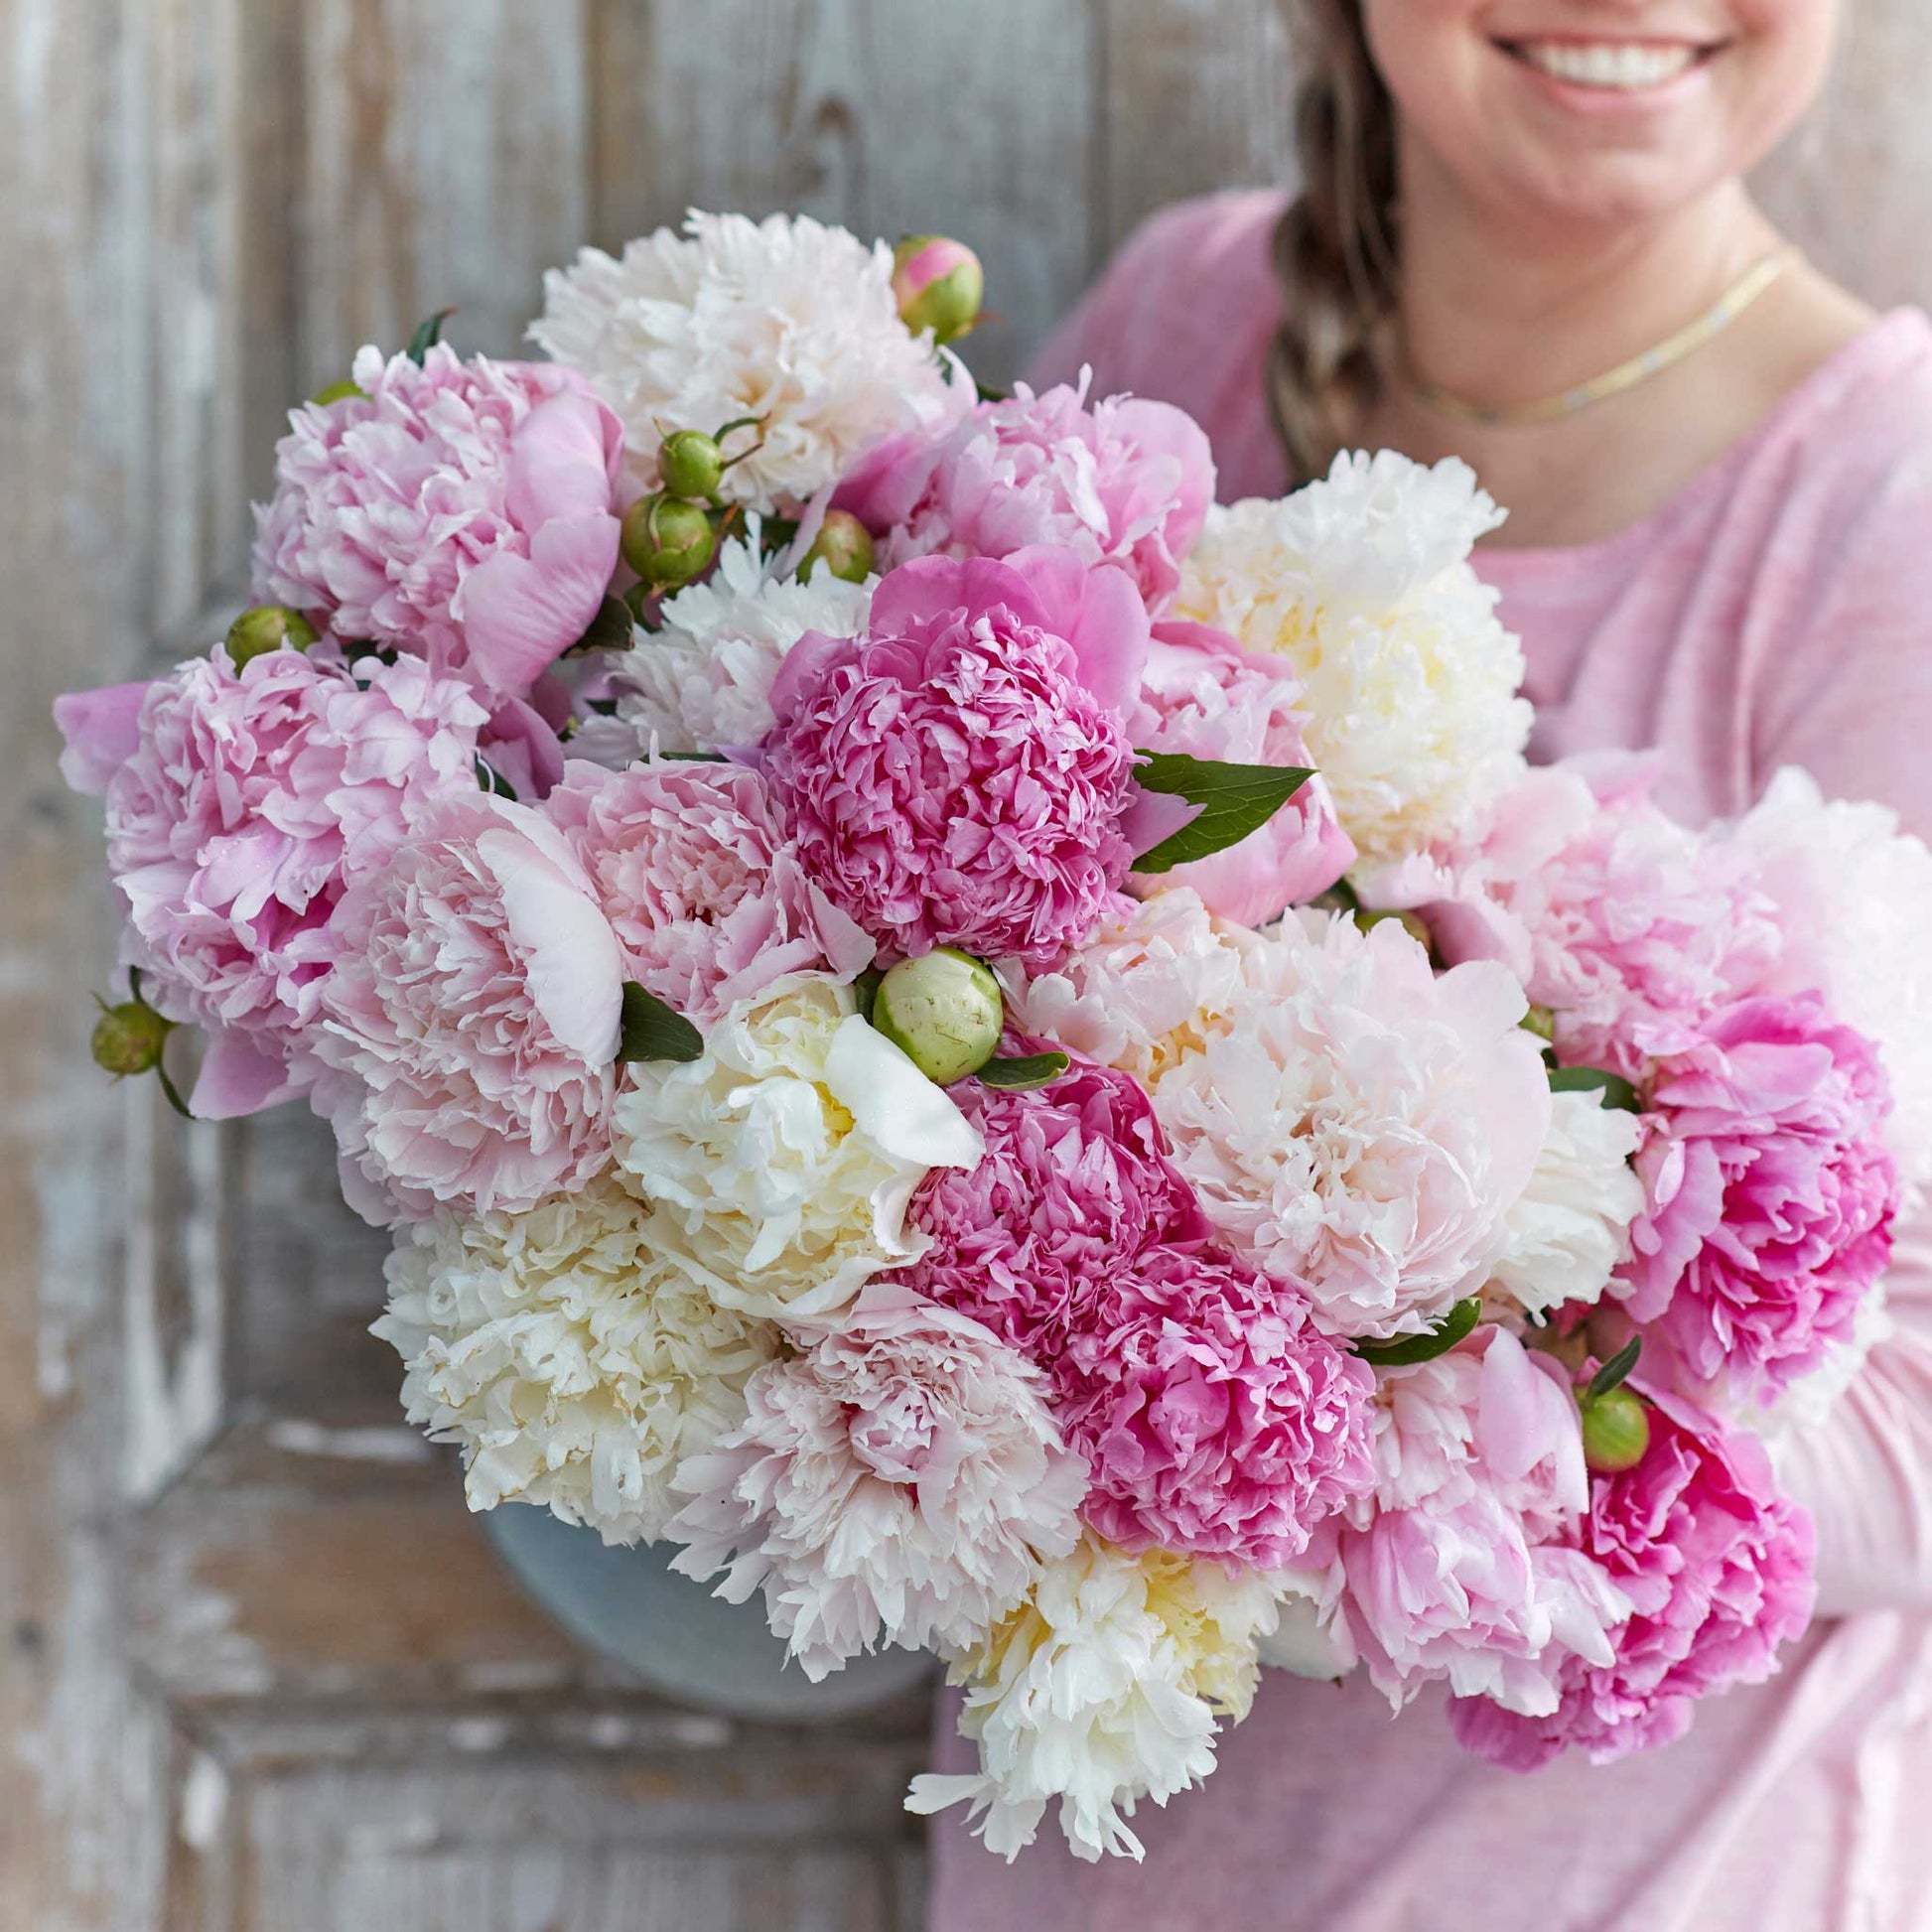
[(610, 630), (692, 758), (865, 989), (1617, 1091), (492, 781), (428, 333), (987, 392), (1023, 1074), (1616, 1368), (1235, 799), (653, 1031), (1404, 1351), (338, 392)]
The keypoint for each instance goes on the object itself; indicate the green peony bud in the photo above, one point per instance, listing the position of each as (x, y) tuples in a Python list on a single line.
[(943, 1012), (667, 542), (691, 464), (1541, 1021), (844, 544), (128, 1039), (267, 628), (1616, 1430), (338, 391), (939, 284)]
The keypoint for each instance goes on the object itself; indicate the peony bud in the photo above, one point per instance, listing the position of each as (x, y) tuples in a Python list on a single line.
[(939, 285), (338, 392), (691, 464), (267, 628), (1616, 1430), (943, 1012), (1541, 1021), (667, 542), (843, 543), (128, 1039)]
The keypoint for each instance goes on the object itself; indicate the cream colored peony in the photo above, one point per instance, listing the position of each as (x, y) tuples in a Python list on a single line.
[(785, 320), (785, 1155), (570, 1361), (1107, 1686), (1363, 581), (1571, 1226)]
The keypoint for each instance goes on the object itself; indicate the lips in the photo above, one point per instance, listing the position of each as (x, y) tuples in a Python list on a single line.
[(1618, 67)]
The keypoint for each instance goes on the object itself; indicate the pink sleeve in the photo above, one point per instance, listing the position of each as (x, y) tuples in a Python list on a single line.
[(1850, 701)]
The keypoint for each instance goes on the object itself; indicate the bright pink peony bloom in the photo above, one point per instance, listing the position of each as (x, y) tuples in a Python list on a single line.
[(1215, 1419), (1719, 1567), (469, 1035), (238, 806), (1771, 1194), (708, 901), (1123, 481), (1203, 695), (947, 778), (1074, 1183), (465, 511)]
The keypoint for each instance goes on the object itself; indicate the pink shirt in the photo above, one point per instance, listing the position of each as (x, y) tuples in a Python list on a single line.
[(1776, 611)]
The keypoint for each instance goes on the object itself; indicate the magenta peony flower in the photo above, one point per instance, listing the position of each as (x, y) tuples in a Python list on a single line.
[(1074, 1183), (1718, 1568), (1123, 481), (707, 900), (468, 1038), (1215, 1417), (951, 778), (465, 511), (1770, 1194), (1202, 694), (237, 804)]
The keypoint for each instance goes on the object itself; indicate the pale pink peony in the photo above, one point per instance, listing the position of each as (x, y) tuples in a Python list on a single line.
[(1626, 925), (238, 806), (465, 511), (897, 1480), (1074, 1183), (705, 897), (947, 778), (468, 1036), (1770, 1194), (1718, 1565), (1203, 695), (1215, 1419), (1123, 481)]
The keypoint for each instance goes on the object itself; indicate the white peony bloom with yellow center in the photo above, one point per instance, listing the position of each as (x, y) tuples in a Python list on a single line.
[(1105, 1687), (574, 1365), (1362, 581), (785, 1157)]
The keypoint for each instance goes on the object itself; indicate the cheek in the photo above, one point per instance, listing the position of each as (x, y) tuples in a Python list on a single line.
[(1783, 54), (1430, 54)]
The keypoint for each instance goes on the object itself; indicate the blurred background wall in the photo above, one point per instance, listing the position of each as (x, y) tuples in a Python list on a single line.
[(260, 1672)]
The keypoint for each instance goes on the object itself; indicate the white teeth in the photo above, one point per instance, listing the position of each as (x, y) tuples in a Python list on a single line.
[(1625, 65)]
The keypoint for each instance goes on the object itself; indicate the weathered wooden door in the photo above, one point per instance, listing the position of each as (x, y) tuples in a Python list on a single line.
[(261, 1673)]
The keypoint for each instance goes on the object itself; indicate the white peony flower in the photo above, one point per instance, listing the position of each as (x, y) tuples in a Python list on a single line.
[(703, 679), (785, 1155), (1147, 987), (1854, 899), (1105, 1687), (571, 1362), (1361, 1124), (1362, 581), (785, 320), (898, 1480), (1571, 1226)]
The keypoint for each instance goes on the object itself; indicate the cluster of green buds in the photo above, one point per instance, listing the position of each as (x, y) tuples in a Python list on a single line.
[(670, 536)]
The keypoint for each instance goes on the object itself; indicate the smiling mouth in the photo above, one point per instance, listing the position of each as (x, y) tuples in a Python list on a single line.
[(1615, 66)]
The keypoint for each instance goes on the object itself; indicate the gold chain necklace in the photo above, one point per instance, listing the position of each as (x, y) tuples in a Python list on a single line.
[(1626, 375)]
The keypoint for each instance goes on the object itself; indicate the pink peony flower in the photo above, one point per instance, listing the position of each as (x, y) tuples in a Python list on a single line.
[(1215, 1419), (238, 803), (465, 511), (1123, 481), (1074, 1183), (468, 1036), (707, 900), (1203, 695), (947, 778), (899, 1479), (1718, 1568), (1770, 1194)]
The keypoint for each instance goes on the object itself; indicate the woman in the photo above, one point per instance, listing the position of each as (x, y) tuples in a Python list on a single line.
[(1724, 549)]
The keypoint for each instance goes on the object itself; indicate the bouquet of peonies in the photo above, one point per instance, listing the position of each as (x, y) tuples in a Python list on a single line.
[(1016, 1061)]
